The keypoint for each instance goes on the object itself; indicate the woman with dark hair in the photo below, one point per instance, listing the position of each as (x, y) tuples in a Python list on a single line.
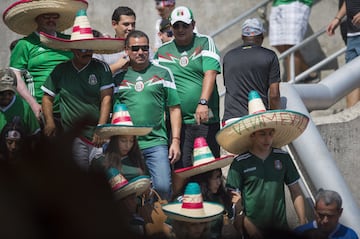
[(11, 138)]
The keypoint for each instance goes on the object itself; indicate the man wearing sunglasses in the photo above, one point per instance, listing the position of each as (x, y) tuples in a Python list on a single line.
[(195, 62), (148, 90), (165, 33)]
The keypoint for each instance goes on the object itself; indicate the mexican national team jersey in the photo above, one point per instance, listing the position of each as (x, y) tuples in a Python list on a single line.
[(188, 64), (261, 183), (147, 94), (39, 60), (18, 107), (79, 92)]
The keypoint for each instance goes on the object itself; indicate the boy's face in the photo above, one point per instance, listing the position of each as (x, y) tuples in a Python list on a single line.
[(263, 139), (6, 97)]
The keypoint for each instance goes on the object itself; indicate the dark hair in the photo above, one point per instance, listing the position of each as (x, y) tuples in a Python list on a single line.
[(203, 181), (112, 154), (96, 33), (135, 34), (118, 12), (13, 44)]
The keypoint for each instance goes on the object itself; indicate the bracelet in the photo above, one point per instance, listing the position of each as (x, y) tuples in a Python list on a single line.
[(178, 138), (338, 18)]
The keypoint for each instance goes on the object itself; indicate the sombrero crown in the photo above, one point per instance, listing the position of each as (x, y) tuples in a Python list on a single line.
[(20, 16), (203, 160), (122, 187), (121, 124), (288, 125), (193, 208), (83, 38)]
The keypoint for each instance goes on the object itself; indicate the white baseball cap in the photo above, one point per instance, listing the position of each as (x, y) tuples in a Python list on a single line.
[(181, 14)]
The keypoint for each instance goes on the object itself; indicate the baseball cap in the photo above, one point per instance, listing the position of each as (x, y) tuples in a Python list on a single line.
[(164, 3), (252, 27), (164, 24), (181, 14), (7, 80)]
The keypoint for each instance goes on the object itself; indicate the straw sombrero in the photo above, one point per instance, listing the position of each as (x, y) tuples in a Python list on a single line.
[(123, 188), (192, 208), (20, 16), (121, 124), (204, 160), (83, 38), (288, 125)]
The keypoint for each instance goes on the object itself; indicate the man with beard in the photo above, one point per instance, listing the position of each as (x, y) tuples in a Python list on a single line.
[(84, 86)]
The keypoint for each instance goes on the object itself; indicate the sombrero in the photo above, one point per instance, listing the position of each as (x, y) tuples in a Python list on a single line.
[(20, 16), (204, 160), (121, 124), (192, 208), (83, 38), (288, 125), (123, 188)]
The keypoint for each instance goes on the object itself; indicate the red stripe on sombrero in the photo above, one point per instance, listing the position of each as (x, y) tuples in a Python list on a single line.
[(82, 30), (259, 111), (121, 119), (197, 205)]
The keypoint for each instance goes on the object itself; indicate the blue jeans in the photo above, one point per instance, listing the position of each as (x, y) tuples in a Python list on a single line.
[(353, 48), (158, 163)]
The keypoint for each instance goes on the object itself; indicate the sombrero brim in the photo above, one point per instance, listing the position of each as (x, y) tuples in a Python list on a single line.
[(20, 16), (288, 125), (136, 185), (205, 167), (100, 45), (175, 211), (107, 130)]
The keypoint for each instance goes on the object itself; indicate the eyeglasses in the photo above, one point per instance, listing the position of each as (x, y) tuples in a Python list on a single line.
[(169, 33), (183, 25), (137, 48)]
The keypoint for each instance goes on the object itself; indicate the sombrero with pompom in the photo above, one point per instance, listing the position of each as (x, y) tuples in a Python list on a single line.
[(82, 38), (193, 208), (20, 16), (288, 125)]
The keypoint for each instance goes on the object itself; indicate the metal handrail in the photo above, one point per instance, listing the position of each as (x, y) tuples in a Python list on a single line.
[(239, 18)]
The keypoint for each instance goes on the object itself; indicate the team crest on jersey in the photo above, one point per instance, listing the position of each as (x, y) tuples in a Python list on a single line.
[(278, 165), (92, 80), (184, 61), (139, 85)]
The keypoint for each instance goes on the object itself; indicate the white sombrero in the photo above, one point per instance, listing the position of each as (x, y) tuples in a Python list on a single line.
[(83, 38), (288, 125), (204, 160), (20, 16), (123, 188), (121, 124), (192, 208)]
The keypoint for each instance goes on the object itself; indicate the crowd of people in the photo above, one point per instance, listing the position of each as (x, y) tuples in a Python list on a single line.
[(119, 120)]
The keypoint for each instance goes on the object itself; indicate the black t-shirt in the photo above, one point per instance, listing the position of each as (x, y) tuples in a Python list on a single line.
[(246, 68)]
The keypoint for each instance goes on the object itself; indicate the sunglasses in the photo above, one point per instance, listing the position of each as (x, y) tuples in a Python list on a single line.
[(169, 33), (137, 48), (183, 25)]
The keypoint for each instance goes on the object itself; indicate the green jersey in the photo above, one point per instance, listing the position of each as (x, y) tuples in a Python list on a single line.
[(188, 64), (18, 107), (39, 60), (79, 92), (147, 94), (281, 2), (261, 183)]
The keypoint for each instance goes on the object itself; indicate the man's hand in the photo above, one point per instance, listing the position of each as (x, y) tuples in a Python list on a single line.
[(174, 151), (97, 141), (50, 129), (202, 114)]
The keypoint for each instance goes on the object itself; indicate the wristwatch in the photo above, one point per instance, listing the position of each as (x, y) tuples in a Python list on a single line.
[(203, 102)]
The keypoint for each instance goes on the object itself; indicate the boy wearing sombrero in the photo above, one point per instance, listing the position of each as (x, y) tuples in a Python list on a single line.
[(84, 86), (29, 18), (260, 170)]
